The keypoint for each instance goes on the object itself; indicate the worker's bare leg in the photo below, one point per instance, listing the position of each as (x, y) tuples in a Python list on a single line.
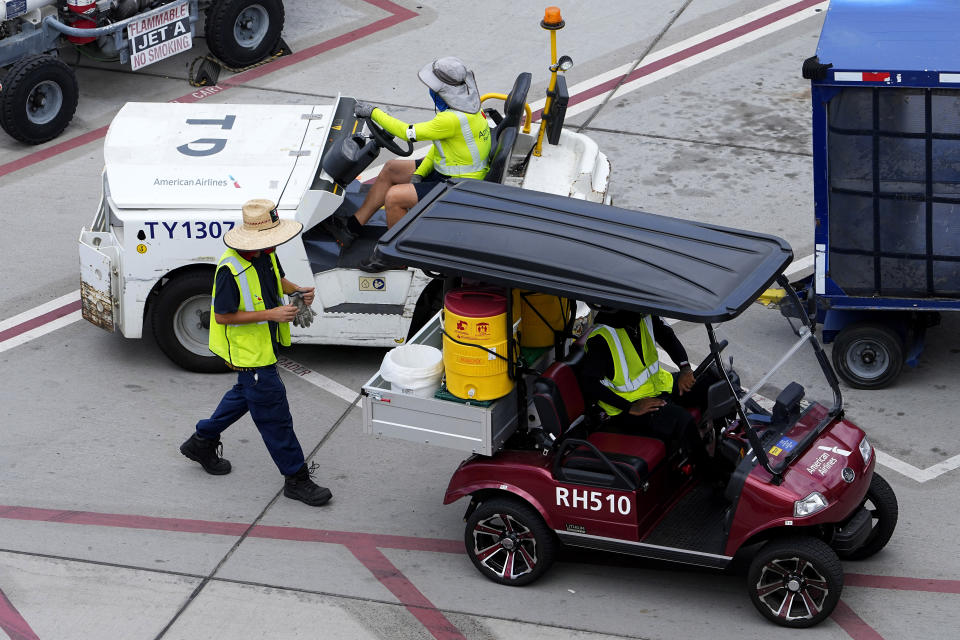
[(400, 199), (395, 172)]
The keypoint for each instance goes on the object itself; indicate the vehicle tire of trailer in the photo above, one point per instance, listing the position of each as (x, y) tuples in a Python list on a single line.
[(243, 32), (881, 502), (508, 541), (868, 355), (795, 581), (428, 304), (38, 99), (181, 322)]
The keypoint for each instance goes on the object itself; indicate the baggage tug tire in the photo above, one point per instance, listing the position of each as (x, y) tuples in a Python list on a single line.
[(181, 322)]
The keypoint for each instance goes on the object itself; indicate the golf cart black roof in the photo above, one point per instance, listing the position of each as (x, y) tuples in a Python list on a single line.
[(596, 253)]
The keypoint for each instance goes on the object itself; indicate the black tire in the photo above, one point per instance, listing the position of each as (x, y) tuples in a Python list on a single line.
[(38, 99), (881, 502), (795, 582), (509, 542), (181, 322), (868, 355), (428, 304), (243, 32)]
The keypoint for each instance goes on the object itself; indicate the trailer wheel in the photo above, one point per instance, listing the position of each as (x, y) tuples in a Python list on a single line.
[(868, 355), (509, 542), (243, 32), (428, 304), (881, 502), (795, 582), (38, 99), (181, 322)]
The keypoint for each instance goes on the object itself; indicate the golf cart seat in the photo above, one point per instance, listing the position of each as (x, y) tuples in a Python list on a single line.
[(504, 135), (605, 459)]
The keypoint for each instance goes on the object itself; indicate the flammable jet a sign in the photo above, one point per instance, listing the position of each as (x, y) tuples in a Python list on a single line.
[(160, 34)]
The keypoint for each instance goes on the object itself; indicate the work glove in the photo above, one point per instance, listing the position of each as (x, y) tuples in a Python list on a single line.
[(415, 178), (305, 314), (363, 109)]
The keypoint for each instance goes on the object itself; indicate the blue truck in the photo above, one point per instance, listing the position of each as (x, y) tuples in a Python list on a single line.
[(885, 84)]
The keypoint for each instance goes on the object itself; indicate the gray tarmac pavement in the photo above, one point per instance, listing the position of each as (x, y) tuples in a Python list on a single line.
[(107, 532)]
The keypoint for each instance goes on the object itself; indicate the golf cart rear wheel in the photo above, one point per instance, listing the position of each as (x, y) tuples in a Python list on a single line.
[(868, 355), (509, 542), (881, 502), (181, 322), (38, 99), (796, 581), (243, 32)]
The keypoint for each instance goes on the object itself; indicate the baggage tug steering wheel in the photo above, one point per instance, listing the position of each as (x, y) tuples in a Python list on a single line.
[(386, 140)]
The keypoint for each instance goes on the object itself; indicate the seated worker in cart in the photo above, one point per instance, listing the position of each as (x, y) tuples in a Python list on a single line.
[(622, 374), (461, 146)]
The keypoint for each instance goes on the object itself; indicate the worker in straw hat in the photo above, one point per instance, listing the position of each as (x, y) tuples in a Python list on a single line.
[(461, 146), (248, 323)]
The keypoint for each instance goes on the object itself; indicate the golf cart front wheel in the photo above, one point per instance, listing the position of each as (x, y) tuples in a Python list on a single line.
[(38, 99), (243, 32), (868, 355), (881, 502), (509, 542), (795, 582)]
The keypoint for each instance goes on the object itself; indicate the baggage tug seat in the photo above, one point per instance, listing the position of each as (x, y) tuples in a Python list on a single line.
[(612, 460)]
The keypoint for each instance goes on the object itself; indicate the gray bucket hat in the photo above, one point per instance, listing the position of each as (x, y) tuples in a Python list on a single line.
[(451, 79)]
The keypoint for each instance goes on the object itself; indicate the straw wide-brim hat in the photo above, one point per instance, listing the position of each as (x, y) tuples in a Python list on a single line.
[(451, 79), (262, 227)]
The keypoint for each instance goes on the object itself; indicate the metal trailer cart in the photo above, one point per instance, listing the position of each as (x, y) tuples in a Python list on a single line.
[(38, 91), (886, 157)]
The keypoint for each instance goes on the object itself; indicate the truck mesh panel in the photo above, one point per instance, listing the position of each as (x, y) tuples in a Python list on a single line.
[(894, 207)]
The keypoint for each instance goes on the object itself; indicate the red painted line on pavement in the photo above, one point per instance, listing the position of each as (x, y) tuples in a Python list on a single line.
[(898, 583), (853, 624), (40, 320), (405, 591), (398, 14), (12, 623), (269, 532), (122, 521)]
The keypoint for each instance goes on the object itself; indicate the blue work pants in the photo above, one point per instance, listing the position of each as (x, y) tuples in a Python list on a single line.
[(261, 392)]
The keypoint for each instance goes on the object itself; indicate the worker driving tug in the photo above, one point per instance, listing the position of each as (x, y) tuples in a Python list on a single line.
[(461, 146), (622, 374)]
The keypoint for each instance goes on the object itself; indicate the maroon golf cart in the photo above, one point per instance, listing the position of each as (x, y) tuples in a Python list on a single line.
[(791, 482)]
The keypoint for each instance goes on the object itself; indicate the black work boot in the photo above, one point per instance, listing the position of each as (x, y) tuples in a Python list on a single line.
[(300, 487), (339, 229), (207, 453)]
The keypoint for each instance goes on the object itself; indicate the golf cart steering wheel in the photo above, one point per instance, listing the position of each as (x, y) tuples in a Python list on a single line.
[(387, 141)]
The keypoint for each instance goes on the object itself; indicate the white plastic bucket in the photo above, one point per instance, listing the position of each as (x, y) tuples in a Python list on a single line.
[(414, 369)]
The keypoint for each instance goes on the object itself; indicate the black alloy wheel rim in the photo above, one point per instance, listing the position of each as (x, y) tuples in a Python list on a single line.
[(792, 588), (504, 546)]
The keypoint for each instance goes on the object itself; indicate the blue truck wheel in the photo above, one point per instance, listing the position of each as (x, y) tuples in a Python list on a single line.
[(868, 355)]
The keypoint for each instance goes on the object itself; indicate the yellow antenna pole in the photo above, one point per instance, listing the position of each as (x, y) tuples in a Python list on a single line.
[(552, 22)]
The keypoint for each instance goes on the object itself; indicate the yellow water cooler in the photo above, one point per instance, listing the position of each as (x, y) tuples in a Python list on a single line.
[(476, 318)]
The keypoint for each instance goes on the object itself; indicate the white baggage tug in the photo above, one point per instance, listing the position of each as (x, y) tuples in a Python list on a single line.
[(176, 175)]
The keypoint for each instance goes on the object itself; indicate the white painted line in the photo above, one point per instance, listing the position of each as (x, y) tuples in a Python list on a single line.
[(46, 307), (42, 330), (798, 265), (912, 472), (318, 380)]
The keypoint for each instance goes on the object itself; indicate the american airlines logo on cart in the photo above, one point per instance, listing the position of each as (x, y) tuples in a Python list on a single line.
[(159, 35), (194, 182)]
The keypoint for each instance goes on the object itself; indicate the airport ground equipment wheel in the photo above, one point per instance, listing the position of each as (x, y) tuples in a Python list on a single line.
[(868, 355), (509, 542), (796, 581), (881, 502), (38, 99), (181, 322), (243, 32)]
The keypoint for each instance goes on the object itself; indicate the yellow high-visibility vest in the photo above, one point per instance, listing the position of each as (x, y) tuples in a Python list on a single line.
[(632, 379), (246, 345)]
